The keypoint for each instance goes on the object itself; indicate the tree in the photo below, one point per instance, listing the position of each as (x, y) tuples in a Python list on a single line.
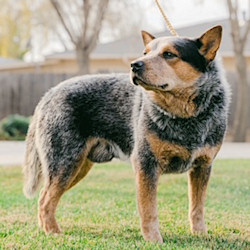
[(15, 29), (82, 21), (239, 39)]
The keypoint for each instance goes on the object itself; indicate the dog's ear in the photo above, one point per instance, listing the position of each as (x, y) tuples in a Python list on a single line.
[(146, 37), (209, 42)]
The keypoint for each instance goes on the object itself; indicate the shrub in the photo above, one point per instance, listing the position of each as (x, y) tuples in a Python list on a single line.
[(14, 127)]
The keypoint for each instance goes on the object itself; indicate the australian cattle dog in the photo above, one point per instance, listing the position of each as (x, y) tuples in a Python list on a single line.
[(168, 116)]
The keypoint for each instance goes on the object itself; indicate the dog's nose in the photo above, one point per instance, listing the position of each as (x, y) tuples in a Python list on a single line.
[(137, 66)]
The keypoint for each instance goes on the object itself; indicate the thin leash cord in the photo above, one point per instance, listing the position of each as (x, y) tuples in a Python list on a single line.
[(169, 25)]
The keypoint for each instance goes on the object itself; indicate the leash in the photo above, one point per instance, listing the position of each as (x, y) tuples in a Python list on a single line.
[(169, 25)]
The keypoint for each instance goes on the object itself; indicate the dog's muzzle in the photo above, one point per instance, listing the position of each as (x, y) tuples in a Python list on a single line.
[(137, 69)]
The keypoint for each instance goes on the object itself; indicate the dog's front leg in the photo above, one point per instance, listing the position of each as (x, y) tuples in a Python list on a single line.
[(146, 184), (198, 180)]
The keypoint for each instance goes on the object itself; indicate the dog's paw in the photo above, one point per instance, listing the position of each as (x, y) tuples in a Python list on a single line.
[(51, 228), (55, 231), (153, 237), (199, 229)]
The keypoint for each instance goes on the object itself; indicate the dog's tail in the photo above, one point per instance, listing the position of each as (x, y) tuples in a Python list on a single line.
[(32, 165)]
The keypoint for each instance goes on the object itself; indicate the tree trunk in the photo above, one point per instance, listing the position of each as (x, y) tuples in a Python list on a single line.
[(241, 114), (239, 38), (83, 60), (84, 36)]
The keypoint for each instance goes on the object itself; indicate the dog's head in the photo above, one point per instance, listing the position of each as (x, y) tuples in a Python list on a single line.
[(174, 62)]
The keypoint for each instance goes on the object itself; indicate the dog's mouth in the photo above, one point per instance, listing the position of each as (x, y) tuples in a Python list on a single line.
[(137, 81)]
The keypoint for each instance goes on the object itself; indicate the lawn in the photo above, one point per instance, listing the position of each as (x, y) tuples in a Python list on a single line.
[(100, 212)]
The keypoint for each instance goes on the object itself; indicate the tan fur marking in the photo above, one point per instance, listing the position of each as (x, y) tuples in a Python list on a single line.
[(147, 49), (205, 156), (170, 48), (185, 71), (198, 180), (84, 164), (40, 203), (164, 150), (178, 102), (83, 170), (49, 198), (147, 204)]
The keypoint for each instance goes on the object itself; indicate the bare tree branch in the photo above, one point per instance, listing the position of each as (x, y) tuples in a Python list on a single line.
[(93, 39), (74, 17), (86, 10), (60, 14), (235, 27)]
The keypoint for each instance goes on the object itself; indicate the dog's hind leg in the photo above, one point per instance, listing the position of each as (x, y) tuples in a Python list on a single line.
[(62, 171), (83, 170), (51, 194), (49, 198), (198, 180)]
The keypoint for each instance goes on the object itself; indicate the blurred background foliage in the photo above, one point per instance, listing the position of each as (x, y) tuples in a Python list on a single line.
[(14, 127)]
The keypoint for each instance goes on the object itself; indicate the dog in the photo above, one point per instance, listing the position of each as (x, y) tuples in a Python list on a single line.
[(171, 119)]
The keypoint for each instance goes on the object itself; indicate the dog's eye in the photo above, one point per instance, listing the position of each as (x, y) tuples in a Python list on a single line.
[(168, 55), (144, 53)]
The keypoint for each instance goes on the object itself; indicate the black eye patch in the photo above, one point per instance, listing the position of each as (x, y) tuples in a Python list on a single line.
[(189, 52)]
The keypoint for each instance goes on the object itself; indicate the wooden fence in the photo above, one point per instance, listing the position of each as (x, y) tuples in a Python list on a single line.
[(20, 93)]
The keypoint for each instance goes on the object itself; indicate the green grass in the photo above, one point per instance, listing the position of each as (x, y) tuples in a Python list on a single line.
[(100, 212)]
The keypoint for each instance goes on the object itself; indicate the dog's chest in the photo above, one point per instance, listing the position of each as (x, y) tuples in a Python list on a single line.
[(173, 158)]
